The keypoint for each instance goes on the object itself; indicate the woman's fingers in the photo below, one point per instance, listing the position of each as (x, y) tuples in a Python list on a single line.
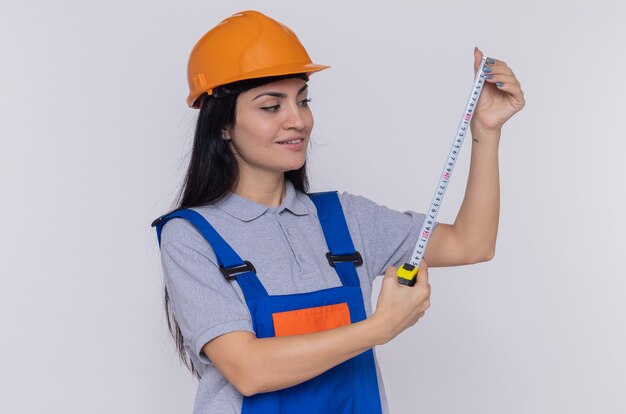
[(498, 65), (504, 78), (497, 70), (502, 99), (508, 79), (510, 84), (422, 274)]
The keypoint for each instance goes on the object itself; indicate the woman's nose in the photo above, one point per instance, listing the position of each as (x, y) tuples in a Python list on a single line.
[(294, 117)]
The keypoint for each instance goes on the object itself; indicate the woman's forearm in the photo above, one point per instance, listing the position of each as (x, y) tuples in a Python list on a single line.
[(472, 237), (476, 224), (279, 362)]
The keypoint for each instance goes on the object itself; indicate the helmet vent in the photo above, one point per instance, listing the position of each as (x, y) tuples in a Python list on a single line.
[(199, 80)]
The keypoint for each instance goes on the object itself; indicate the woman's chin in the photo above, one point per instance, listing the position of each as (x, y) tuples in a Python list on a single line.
[(296, 165)]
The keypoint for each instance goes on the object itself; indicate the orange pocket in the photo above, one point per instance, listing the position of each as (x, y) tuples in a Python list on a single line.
[(309, 320)]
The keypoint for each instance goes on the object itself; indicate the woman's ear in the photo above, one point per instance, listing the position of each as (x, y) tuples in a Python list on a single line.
[(226, 134)]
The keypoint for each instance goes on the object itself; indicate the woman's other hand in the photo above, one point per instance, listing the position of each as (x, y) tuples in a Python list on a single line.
[(400, 306), (502, 95)]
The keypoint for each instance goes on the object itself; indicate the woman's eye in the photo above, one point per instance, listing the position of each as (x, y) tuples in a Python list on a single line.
[(272, 108), (275, 108)]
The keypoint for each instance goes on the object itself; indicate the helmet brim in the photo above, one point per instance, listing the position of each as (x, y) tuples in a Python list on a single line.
[(288, 69)]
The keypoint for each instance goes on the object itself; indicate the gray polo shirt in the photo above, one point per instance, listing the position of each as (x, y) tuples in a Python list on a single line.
[(287, 247)]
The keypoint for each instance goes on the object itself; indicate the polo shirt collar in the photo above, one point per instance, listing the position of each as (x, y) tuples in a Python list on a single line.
[(294, 201), (247, 210)]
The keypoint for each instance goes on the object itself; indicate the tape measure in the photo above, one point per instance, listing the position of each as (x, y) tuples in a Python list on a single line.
[(407, 273)]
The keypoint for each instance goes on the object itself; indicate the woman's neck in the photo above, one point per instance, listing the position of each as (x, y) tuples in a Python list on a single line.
[(265, 190)]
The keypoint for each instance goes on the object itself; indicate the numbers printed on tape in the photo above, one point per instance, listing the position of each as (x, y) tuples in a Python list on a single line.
[(425, 231)]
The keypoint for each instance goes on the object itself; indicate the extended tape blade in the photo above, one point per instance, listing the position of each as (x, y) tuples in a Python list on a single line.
[(457, 143)]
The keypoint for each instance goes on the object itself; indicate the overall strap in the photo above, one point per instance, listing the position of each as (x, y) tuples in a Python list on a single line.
[(231, 265), (342, 256)]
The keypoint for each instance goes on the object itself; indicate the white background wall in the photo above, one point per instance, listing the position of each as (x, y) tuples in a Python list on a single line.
[(94, 135)]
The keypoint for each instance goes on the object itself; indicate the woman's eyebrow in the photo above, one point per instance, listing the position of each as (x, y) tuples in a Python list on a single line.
[(280, 94)]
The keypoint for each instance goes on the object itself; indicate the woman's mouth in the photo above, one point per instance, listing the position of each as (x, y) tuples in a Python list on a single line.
[(292, 142)]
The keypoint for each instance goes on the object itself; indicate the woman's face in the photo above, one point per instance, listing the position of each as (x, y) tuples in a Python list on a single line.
[(266, 118)]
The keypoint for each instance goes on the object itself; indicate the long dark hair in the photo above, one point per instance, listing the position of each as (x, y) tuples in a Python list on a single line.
[(213, 171)]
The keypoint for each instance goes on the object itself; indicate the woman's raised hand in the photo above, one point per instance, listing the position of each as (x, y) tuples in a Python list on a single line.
[(502, 96), (400, 306)]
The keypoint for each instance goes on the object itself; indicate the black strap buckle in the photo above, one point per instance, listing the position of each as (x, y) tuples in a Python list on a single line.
[(160, 218), (232, 272), (356, 258)]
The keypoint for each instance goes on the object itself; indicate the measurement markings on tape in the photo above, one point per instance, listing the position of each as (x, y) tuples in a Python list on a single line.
[(407, 273)]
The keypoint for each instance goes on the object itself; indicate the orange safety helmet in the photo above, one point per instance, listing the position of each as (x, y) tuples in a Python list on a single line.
[(247, 45)]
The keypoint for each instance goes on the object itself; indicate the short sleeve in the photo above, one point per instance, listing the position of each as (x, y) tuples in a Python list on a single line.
[(388, 236), (204, 303)]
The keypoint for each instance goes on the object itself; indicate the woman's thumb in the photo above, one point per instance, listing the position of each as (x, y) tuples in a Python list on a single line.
[(391, 271), (478, 55)]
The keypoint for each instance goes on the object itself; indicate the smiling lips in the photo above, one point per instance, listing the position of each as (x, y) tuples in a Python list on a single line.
[(292, 142)]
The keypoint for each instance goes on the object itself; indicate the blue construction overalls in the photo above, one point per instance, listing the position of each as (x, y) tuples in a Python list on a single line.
[(350, 387)]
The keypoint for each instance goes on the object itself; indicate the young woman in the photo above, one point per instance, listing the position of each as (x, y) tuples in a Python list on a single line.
[(268, 287)]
